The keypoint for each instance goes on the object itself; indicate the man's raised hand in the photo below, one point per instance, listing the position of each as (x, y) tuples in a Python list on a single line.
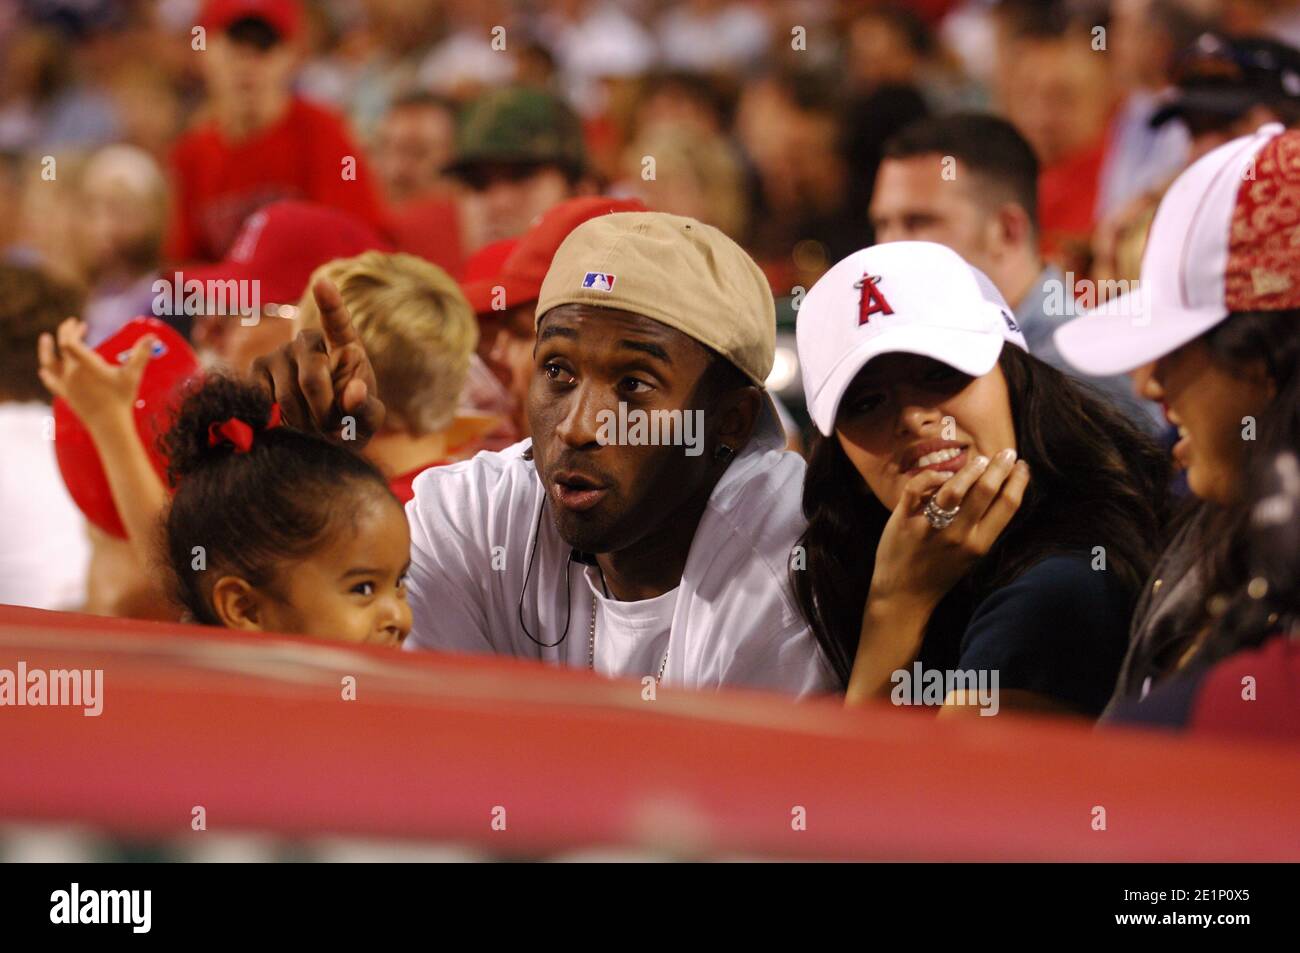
[(322, 379)]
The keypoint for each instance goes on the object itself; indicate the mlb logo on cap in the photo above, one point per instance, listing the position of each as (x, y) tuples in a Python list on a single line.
[(157, 349), (598, 281)]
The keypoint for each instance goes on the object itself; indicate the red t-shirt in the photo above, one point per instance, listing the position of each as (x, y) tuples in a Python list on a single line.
[(1067, 199), (217, 184)]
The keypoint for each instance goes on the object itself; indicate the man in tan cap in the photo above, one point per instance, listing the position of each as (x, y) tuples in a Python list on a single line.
[(647, 529)]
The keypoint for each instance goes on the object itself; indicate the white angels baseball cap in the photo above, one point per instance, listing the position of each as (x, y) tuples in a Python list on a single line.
[(1223, 239), (911, 297)]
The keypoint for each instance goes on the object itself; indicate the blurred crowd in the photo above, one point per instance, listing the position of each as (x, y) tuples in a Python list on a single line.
[(766, 118), (141, 139)]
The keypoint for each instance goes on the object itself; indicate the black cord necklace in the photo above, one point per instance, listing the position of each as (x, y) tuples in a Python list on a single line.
[(528, 571), (584, 558)]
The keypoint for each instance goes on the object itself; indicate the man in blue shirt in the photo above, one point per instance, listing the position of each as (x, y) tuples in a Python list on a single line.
[(970, 182)]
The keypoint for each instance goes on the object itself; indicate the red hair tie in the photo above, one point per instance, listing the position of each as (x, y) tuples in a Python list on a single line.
[(239, 434)]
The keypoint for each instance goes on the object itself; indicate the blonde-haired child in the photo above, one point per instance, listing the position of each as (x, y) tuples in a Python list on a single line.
[(420, 334)]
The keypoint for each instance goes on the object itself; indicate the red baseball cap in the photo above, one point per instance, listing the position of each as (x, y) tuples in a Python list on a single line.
[(522, 271), (281, 244), (172, 365), (284, 16), (485, 264)]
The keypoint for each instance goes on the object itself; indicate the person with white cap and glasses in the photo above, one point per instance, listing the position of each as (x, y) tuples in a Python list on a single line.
[(1213, 334), (597, 543), (970, 508)]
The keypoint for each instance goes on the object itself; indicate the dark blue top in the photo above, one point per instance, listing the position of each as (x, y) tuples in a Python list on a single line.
[(1060, 629), (1169, 706)]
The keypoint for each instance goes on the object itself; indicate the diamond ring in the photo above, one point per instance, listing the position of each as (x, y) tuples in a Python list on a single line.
[(939, 518)]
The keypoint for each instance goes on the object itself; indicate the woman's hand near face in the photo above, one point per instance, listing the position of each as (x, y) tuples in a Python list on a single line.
[(917, 564)]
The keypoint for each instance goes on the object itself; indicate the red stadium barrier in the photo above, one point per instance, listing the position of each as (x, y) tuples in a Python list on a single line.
[(256, 731)]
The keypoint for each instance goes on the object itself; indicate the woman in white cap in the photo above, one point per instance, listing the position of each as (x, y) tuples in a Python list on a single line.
[(977, 521), (1214, 336)]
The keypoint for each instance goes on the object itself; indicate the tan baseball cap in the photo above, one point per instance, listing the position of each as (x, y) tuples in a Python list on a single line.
[(674, 270)]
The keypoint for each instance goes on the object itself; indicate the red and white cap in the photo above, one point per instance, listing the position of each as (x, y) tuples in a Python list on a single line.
[(911, 297), (1224, 239)]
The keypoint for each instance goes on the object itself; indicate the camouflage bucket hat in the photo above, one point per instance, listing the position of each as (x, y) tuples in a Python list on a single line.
[(519, 127)]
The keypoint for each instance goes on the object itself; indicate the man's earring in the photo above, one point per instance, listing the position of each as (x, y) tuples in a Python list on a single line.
[(724, 453)]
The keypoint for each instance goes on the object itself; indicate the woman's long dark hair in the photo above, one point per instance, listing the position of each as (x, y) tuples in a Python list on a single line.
[(1096, 481), (1221, 534)]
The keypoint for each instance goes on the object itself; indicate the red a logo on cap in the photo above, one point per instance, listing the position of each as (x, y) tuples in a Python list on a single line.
[(872, 301)]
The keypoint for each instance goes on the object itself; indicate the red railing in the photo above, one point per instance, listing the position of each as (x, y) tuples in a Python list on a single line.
[(256, 731)]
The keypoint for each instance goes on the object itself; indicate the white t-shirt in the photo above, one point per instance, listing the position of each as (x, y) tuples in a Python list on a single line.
[(44, 549), (491, 574), (630, 637)]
